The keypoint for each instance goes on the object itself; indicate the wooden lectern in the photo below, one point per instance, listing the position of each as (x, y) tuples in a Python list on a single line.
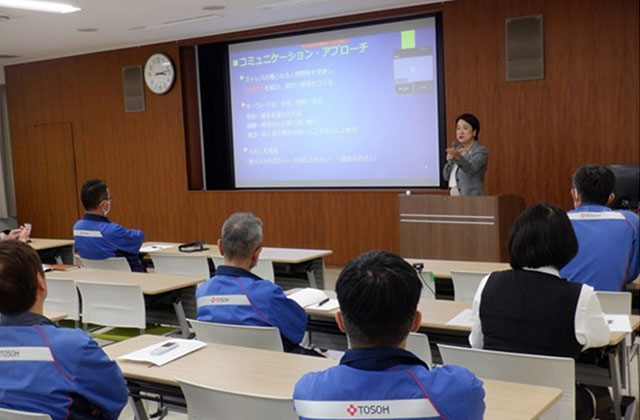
[(457, 228)]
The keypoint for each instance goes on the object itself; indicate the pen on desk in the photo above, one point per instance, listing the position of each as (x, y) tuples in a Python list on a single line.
[(323, 302)]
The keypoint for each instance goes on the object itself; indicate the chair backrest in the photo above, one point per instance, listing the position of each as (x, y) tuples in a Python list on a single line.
[(616, 303), (211, 403), (196, 266), (266, 338), (465, 283), (114, 263), (264, 268), (62, 296), (418, 344), (6, 414), (555, 372), (112, 305)]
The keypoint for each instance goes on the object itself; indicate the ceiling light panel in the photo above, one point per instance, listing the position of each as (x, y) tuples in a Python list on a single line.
[(39, 6)]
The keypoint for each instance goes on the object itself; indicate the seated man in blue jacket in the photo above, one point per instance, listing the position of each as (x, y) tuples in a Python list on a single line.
[(609, 246), (376, 378), (234, 295), (96, 237), (45, 369)]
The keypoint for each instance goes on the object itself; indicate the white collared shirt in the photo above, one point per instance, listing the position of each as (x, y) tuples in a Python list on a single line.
[(453, 182), (590, 326)]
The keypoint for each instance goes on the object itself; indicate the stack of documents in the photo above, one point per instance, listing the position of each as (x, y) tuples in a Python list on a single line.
[(164, 352)]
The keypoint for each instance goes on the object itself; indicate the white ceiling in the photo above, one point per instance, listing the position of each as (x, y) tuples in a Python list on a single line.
[(33, 36)]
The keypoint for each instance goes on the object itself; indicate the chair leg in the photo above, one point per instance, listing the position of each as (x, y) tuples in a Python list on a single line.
[(182, 319), (139, 411)]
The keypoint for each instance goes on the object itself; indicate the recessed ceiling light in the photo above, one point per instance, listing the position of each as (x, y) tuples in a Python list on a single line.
[(87, 29), (39, 6), (214, 7)]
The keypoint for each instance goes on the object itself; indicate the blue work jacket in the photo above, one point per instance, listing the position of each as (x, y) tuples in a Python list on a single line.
[(97, 238), (385, 383), (58, 371), (237, 296)]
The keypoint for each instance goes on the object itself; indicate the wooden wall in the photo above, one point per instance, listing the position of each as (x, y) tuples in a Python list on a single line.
[(585, 110)]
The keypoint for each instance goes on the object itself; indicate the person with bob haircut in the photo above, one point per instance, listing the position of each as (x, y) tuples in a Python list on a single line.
[(45, 369), (98, 238), (466, 159), (530, 308), (234, 295), (378, 293), (608, 256)]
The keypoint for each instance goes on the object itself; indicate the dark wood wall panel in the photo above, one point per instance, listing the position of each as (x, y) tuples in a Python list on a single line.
[(587, 109)]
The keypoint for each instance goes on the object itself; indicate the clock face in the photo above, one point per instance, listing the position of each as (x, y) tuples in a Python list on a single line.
[(159, 73)]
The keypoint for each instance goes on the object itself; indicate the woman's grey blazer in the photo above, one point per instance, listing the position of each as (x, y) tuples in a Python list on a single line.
[(471, 169)]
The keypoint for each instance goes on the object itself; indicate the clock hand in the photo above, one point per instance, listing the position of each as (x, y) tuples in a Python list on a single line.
[(161, 72)]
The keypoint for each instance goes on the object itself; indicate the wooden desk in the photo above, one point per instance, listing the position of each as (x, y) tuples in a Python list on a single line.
[(507, 400), (55, 316), (436, 313), (241, 369), (442, 268), (286, 261), (53, 251), (151, 283)]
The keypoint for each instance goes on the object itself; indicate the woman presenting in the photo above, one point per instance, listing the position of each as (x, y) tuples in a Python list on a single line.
[(466, 159)]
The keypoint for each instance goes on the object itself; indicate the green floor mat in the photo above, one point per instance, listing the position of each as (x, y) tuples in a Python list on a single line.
[(121, 334)]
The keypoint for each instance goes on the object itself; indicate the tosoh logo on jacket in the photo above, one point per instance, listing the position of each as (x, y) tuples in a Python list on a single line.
[(371, 409)]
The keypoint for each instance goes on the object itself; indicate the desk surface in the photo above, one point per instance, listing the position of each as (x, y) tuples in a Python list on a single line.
[(55, 316), (40, 243), (442, 268), (436, 313), (277, 255), (274, 374), (239, 369), (151, 283)]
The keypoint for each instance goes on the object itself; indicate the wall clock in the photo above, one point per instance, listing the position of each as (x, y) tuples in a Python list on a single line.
[(159, 73)]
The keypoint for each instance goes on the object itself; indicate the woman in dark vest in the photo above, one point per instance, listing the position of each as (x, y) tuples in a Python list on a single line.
[(530, 308)]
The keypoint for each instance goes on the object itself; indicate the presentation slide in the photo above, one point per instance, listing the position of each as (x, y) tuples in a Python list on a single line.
[(355, 107)]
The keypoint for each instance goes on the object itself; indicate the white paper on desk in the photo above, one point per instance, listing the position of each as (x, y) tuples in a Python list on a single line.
[(328, 306), (155, 247), (618, 323), (144, 354), (463, 319), (308, 296)]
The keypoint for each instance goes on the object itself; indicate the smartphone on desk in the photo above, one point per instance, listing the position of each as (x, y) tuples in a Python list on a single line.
[(166, 347)]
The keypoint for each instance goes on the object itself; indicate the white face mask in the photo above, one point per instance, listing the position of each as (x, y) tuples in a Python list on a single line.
[(107, 209)]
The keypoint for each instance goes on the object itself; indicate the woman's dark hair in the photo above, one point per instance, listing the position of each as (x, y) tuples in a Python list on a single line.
[(473, 122), (378, 293), (19, 267), (542, 235), (594, 183)]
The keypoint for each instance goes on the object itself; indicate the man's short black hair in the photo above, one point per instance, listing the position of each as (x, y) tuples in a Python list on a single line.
[(378, 293), (473, 122), (542, 235), (19, 267), (93, 192), (594, 183)]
